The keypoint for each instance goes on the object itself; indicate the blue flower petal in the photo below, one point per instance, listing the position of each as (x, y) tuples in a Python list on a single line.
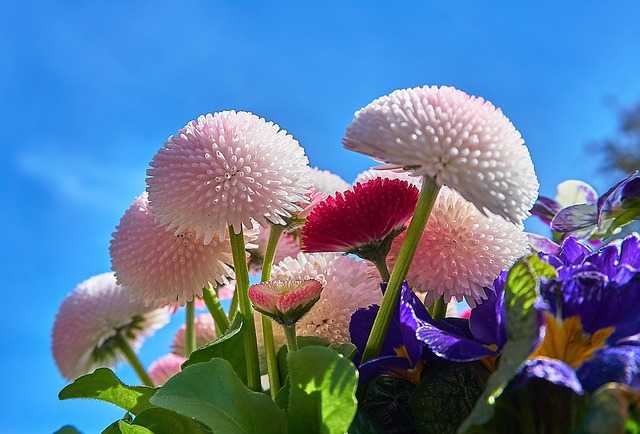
[(552, 370), (620, 364)]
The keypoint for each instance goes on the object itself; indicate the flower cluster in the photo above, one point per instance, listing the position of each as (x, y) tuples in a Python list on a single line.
[(363, 282)]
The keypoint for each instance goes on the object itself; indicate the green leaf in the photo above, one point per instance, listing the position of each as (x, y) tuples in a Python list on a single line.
[(213, 394), (323, 388), (103, 385), (163, 421), (521, 291), (67, 429), (229, 346), (126, 428), (364, 424), (303, 341)]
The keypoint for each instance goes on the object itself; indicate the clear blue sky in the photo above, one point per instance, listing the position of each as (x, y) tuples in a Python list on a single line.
[(90, 90)]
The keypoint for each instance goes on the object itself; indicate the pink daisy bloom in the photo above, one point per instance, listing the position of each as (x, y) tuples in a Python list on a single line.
[(286, 300), (374, 173), (347, 287), (205, 331), (160, 267), (363, 221), (165, 367), (92, 318), (287, 246), (460, 141), (227, 169), (461, 251), (326, 182)]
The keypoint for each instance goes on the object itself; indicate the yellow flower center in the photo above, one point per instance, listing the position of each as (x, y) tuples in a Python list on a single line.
[(565, 340)]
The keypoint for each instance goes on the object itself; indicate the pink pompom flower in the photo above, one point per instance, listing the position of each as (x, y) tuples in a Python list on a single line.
[(205, 331), (93, 318), (165, 367), (160, 267), (286, 301), (461, 251), (363, 221), (460, 141), (227, 169)]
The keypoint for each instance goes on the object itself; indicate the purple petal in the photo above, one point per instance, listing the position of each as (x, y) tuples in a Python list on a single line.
[(619, 365), (543, 244), (612, 201), (575, 217), (452, 347), (573, 251), (486, 321), (545, 209), (630, 252), (552, 370), (381, 366)]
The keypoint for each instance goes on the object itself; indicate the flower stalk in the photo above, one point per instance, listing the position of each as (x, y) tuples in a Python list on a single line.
[(215, 308), (132, 359), (190, 332), (438, 310), (242, 288), (267, 326), (426, 200)]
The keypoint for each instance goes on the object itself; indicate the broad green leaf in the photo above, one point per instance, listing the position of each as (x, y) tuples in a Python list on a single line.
[(323, 388), (521, 291), (67, 429), (213, 394), (303, 341), (282, 397), (364, 424), (125, 428), (229, 347), (163, 421), (103, 385)]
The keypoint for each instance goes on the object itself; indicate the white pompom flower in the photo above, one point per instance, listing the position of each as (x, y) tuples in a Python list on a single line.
[(460, 141)]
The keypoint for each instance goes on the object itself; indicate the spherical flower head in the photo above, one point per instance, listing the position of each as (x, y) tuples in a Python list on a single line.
[(347, 287), (363, 221), (165, 367), (286, 300), (461, 141), (161, 267), (461, 251), (227, 169), (287, 246), (374, 173), (205, 331), (326, 182), (90, 319)]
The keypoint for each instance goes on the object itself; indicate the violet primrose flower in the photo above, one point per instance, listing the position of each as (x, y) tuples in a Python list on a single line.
[(414, 337), (591, 320), (616, 208)]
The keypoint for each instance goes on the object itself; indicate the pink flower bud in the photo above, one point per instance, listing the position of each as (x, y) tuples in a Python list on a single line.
[(286, 301)]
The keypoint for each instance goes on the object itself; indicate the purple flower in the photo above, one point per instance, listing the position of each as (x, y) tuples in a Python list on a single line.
[(591, 324), (616, 208), (414, 339)]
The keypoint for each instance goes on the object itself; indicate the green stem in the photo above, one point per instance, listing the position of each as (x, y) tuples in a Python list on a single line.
[(215, 308), (292, 339), (234, 305), (381, 265), (242, 289), (132, 359), (190, 332), (438, 309), (391, 296), (267, 327)]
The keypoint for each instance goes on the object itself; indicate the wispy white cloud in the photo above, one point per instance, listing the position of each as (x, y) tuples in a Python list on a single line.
[(84, 180)]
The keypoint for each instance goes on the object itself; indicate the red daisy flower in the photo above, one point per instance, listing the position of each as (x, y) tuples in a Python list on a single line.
[(363, 221)]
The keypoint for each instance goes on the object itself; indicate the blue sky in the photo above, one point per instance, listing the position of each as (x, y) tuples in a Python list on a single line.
[(90, 91)]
